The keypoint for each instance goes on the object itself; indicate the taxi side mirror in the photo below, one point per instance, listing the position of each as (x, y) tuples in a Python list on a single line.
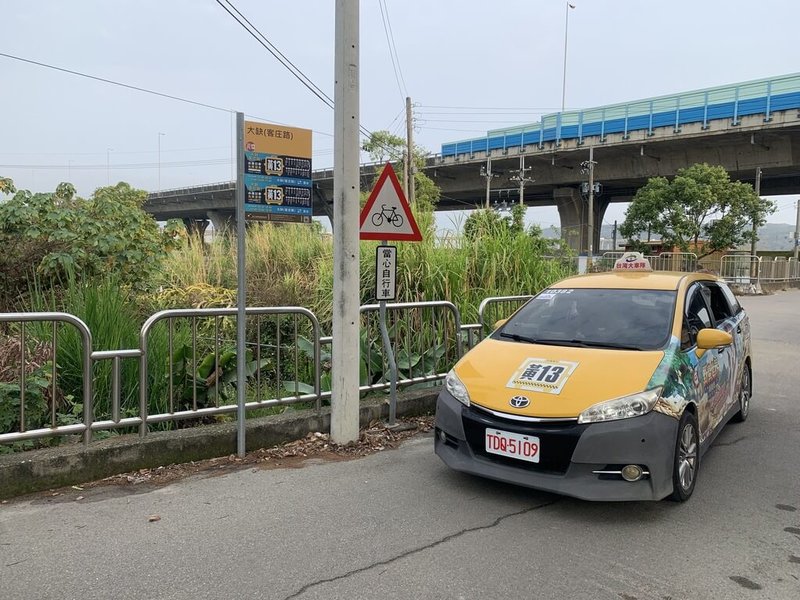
[(500, 323), (712, 338)]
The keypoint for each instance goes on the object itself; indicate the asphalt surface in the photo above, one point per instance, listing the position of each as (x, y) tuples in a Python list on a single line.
[(399, 524)]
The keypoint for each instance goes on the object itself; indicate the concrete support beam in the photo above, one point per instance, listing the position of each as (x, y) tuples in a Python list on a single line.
[(322, 204), (222, 221), (196, 227), (573, 210)]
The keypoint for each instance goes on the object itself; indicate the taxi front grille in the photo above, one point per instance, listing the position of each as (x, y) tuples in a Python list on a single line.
[(557, 440)]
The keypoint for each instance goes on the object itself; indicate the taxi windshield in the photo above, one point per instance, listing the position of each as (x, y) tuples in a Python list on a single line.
[(601, 318)]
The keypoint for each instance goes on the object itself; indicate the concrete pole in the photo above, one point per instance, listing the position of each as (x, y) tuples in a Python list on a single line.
[(797, 231), (614, 248), (410, 191), (488, 180), (522, 180), (591, 205), (241, 293), (345, 371), (755, 226)]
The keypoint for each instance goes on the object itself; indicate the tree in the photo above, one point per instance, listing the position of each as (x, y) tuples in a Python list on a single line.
[(60, 232), (701, 202), (383, 145)]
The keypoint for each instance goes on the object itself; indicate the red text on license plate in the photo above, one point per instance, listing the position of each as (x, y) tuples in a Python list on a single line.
[(513, 445)]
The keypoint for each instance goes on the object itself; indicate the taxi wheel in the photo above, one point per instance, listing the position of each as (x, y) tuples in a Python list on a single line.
[(687, 458), (745, 392)]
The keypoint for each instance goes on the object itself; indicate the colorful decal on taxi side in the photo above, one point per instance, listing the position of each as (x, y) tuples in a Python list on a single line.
[(676, 374), (542, 375)]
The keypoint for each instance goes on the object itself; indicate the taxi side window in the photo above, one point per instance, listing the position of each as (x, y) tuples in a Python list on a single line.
[(696, 316), (719, 303), (729, 295)]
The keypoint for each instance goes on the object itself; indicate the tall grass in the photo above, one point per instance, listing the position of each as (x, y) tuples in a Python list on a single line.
[(110, 312), (293, 265)]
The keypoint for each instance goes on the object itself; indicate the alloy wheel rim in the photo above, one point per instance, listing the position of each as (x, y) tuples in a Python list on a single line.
[(744, 393), (687, 457)]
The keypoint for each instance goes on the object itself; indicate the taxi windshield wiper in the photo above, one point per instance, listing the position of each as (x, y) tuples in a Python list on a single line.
[(615, 345), (544, 341), (564, 342)]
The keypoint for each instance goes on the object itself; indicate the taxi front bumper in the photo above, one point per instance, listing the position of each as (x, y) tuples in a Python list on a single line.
[(569, 455)]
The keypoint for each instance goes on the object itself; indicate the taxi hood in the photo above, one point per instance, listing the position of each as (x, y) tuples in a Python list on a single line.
[(558, 381)]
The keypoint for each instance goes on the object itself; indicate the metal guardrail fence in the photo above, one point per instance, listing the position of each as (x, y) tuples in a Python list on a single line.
[(287, 362)]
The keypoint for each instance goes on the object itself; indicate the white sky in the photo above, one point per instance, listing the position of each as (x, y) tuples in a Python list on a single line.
[(452, 53)]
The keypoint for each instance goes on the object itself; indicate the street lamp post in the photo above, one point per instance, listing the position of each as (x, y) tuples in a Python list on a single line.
[(159, 160), (566, 37)]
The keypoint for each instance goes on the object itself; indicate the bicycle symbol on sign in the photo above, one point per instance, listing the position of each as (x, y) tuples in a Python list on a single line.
[(389, 214)]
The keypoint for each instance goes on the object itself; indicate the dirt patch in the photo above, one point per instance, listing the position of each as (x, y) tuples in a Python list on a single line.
[(314, 448)]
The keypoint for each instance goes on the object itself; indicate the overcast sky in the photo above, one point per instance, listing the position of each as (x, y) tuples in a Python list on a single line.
[(490, 55)]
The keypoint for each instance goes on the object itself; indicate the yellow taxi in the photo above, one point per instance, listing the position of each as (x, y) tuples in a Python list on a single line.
[(608, 386)]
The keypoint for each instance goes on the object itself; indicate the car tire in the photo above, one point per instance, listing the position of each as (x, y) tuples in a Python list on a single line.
[(687, 458), (744, 395)]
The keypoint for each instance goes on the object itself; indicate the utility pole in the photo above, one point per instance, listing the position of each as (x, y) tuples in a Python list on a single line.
[(614, 247), (797, 231), (487, 172), (411, 167), (522, 177), (587, 166), (345, 380), (755, 225)]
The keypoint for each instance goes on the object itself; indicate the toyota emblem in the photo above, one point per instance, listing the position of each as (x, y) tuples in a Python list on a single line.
[(519, 402)]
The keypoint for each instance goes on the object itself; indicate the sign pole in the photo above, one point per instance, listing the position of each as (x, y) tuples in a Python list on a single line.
[(387, 343), (241, 300), (346, 347)]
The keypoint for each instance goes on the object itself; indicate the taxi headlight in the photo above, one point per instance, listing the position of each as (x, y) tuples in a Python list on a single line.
[(456, 388), (626, 407)]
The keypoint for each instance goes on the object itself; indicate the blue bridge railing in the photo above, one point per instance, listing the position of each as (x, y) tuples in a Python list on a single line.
[(762, 97)]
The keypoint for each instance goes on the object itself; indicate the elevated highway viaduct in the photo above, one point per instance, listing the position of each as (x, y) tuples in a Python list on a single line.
[(624, 162)]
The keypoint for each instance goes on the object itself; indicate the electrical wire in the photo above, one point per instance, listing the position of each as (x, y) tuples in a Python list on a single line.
[(394, 46), (256, 34), (139, 89), (391, 52), (117, 83)]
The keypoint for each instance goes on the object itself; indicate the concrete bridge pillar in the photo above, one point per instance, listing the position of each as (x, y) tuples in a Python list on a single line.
[(573, 209), (222, 221), (196, 227)]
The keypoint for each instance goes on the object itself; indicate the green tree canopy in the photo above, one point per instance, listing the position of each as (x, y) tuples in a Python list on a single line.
[(385, 146), (701, 202), (59, 232)]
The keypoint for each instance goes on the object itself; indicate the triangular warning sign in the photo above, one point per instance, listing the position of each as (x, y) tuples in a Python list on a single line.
[(386, 215)]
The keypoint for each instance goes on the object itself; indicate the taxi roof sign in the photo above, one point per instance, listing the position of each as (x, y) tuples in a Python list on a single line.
[(632, 261), (387, 215)]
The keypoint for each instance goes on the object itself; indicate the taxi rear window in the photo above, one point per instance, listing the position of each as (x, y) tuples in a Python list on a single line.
[(629, 319)]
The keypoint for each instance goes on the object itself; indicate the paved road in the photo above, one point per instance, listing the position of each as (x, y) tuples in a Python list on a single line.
[(400, 525)]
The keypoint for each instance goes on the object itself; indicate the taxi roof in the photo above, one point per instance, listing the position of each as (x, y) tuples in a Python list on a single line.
[(639, 280)]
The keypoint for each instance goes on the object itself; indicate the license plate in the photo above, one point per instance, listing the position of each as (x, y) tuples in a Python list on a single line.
[(513, 445)]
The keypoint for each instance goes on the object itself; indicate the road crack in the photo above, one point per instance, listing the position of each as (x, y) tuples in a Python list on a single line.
[(413, 551), (731, 443)]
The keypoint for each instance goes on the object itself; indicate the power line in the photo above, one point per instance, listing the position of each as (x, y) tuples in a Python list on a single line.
[(391, 53), (289, 65), (139, 89), (117, 83), (273, 50), (394, 46)]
